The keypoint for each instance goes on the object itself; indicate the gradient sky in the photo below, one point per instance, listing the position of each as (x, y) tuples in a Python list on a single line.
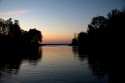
[(58, 20)]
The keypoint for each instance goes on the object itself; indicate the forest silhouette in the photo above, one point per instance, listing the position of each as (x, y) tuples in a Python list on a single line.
[(12, 34), (103, 43), (103, 33)]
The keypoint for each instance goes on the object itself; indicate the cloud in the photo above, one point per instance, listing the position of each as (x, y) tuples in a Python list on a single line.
[(14, 13)]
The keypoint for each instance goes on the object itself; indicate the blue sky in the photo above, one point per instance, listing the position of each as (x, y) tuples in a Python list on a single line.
[(58, 20)]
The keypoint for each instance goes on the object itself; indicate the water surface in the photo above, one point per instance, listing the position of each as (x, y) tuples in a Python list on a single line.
[(51, 64)]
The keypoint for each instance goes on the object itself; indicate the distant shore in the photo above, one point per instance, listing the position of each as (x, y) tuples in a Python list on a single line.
[(53, 44)]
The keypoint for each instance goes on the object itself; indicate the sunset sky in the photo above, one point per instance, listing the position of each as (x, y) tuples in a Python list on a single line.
[(58, 20)]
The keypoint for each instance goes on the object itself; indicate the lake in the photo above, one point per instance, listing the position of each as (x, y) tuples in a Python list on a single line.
[(52, 64)]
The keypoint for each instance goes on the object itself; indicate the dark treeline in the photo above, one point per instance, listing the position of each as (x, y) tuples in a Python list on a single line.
[(103, 32), (12, 34), (103, 43)]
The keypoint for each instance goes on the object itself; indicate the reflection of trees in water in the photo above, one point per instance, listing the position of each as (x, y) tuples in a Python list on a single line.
[(11, 58), (98, 64), (33, 55), (102, 63), (75, 50), (79, 53)]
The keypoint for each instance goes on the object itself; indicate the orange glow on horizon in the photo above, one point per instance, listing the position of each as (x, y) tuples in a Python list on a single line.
[(56, 39)]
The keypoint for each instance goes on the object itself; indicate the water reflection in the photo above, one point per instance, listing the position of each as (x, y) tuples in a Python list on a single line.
[(79, 53), (98, 66), (57, 65), (102, 63), (11, 58)]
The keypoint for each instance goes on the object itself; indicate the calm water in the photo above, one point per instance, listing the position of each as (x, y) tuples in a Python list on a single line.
[(51, 64)]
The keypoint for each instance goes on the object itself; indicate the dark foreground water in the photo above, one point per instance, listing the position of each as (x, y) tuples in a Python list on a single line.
[(52, 64)]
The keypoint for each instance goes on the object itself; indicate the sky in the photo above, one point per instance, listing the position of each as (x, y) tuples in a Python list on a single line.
[(58, 20)]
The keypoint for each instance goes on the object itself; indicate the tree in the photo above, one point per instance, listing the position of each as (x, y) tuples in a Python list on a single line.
[(35, 35), (82, 39), (4, 26), (74, 42), (11, 32), (97, 22), (16, 30), (113, 13)]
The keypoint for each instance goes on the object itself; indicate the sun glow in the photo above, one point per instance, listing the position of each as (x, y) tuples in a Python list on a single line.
[(56, 39)]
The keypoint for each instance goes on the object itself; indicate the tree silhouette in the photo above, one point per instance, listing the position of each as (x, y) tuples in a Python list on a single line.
[(11, 33), (82, 39), (104, 32), (35, 35), (97, 22), (16, 30), (74, 40)]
